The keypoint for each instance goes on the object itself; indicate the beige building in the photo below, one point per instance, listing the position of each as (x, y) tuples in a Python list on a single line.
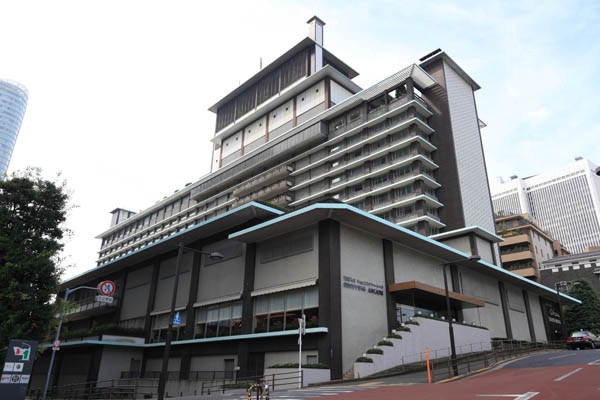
[(525, 245)]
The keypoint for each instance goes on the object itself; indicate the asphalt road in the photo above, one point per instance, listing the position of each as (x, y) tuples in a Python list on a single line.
[(564, 375)]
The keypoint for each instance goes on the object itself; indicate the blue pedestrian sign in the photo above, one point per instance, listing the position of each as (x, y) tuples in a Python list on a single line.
[(177, 319)]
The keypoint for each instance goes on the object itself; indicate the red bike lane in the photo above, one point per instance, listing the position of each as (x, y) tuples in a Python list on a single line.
[(578, 381)]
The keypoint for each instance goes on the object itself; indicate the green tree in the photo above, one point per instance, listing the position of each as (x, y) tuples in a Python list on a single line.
[(586, 315), (32, 213)]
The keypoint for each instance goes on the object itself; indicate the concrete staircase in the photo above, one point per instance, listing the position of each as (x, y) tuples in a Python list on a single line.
[(417, 335)]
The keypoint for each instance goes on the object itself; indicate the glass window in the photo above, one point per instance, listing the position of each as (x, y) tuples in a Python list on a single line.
[(282, 311)]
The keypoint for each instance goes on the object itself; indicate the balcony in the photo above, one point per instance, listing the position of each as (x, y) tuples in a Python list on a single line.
[(510, 240), (262, 180), (520, 255), (530, 273), (88, 307), (267, 192)]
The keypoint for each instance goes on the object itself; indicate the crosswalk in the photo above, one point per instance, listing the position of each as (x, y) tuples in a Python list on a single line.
[(310, 393)]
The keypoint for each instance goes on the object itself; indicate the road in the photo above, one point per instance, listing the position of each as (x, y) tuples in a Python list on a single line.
[(564, 375)]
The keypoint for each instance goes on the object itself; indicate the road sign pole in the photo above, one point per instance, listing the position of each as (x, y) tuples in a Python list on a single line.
[(60, 321)]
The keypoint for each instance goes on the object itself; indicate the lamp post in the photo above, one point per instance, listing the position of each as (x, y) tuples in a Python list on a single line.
[(60, 321), (165, 364), (449, 312)]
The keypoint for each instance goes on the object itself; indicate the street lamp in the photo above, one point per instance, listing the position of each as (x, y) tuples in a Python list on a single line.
[(163, 375), (60, 321), (557, 286), (449, 312)]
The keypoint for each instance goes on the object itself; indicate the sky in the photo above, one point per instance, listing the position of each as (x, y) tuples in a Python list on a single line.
[(119, 90)]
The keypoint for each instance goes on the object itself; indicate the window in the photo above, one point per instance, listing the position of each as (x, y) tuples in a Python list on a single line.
[(380, 199), (160, 324), (396, 93), (354, 115), (379, 162), (379, 180), (404, 190), (218, 320), (376, 104), (282, 311), (339, 123), (402, 171)]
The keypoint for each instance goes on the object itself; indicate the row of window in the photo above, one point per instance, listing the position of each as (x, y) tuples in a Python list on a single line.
[(272, 313)]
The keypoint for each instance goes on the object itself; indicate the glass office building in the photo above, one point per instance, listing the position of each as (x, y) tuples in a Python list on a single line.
[(13, 100)]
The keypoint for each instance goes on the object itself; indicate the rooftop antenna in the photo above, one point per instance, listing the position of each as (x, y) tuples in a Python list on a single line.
[(261, 63)]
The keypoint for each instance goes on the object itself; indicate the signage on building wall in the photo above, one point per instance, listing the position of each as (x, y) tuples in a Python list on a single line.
[(362, 286), (16, 371), (554, 316)]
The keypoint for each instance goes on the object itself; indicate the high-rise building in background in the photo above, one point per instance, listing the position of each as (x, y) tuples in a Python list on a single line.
[(407, 149), (13, 101), (564, 201)]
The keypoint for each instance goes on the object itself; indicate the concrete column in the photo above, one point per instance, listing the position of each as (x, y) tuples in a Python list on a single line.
[(247, 307), (151, 297), (388, 265), (330, 295), (505, 311), (529, 318)]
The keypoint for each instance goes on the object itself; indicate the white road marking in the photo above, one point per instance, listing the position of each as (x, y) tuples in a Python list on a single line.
[(596, 362), (566, 355), (567, 375), (524, 396)]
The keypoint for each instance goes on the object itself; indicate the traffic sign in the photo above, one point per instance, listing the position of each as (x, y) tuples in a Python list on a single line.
[(104, 299), (106, 288), (16, 370), (57, 343), (177, 319)]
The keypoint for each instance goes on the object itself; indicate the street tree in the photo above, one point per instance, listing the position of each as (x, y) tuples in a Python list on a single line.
[(32, 213), (586, 315)]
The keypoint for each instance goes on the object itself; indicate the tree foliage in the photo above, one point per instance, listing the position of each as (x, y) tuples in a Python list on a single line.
[(586, 315), (32, 213)]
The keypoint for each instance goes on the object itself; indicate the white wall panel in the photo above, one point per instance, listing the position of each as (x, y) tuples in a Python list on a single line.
[(255, 130), (310, 98), (281, 115), (232, 144), (339, 93)]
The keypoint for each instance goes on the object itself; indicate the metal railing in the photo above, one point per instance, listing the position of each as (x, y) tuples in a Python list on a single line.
[(110, 389), (285, 379), (478, 358)]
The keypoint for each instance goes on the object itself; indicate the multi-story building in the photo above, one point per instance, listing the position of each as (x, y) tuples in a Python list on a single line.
[(564, 201), (295, 136), (525, 245), (13, 101), (570, 267), (407, 149)]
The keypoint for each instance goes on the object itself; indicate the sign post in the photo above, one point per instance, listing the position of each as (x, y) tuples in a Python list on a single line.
[(105, 290), (16, 371), (301, 332)]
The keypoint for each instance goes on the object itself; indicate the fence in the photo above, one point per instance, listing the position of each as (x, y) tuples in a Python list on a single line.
[(273, 380), (444, 368)]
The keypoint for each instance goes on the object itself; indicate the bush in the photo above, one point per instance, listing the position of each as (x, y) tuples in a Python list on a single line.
[(411, 322), (384, 343), (394, 336), (374, 351), (403, 329), (295, 365), (97, 330), (364, 359)]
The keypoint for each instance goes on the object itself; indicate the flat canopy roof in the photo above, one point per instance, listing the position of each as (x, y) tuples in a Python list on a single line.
[(204, 229), (420, 289), (477, 230), (355, 217)]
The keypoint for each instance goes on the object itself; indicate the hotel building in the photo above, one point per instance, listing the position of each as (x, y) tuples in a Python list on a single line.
[(325, 199)]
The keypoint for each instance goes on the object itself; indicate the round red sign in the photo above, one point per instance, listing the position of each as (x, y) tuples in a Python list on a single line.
[(106, 288)]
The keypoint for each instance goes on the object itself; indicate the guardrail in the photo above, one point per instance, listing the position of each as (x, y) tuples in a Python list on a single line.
[(273, 380)]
